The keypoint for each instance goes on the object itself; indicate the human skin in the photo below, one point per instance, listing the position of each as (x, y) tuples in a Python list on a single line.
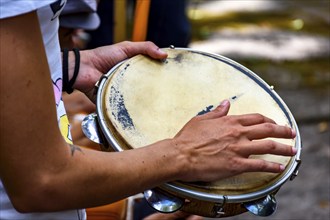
[(42, 173)]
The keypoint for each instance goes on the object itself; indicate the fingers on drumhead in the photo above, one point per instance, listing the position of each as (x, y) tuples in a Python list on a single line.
[(259, 165), (266, 130), (266, 147), (253, 119)]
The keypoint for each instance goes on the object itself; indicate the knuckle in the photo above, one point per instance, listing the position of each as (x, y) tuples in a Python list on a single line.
[(235, 165), (269, 127), (149, 44), (259, 117), (235, 133), (262, 165), (271, 145), (227, 118), (126, 43), (235, 148)]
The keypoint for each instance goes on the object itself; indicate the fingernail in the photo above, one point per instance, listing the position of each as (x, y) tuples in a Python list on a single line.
[(224, 103), (294, 150), (282, 167), (293, 133)]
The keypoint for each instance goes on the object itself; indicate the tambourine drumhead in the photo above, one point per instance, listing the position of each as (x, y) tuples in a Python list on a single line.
[(146, 100)]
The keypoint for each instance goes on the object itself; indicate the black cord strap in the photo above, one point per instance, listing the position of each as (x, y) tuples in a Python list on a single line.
[(65, 68), (68, 84)]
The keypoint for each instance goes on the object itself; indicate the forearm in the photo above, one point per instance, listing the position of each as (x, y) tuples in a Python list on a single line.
[(90, 178), (113, 176)]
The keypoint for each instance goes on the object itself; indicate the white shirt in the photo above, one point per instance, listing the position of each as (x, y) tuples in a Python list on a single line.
[(48, 12)]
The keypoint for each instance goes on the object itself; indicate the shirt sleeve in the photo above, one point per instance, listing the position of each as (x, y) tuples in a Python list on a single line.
[(11, 8)]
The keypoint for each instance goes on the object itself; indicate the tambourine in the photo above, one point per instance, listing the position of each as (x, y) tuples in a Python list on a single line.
[(141, 101)]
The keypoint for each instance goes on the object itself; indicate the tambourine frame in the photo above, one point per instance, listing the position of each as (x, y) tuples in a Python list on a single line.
[(291, 169)]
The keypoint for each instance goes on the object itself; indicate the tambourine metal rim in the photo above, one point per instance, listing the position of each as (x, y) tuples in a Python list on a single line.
[(99, 108), (211, 197)]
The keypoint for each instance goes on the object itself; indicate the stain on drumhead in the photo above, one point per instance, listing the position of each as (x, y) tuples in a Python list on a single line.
[(120, 112)]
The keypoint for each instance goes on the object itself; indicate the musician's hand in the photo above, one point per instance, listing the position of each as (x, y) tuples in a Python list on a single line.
[(216, 145), (94, 63)]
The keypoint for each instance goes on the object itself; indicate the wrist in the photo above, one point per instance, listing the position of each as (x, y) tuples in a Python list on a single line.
[(184, 160), (179, 161), (164, 159)]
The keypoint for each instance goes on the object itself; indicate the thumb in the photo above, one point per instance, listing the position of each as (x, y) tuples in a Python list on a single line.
[(220, 111)]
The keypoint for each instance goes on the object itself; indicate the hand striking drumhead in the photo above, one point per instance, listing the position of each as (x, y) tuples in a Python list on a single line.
[(148, 100)]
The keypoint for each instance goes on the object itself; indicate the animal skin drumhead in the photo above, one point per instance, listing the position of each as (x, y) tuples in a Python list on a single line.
[(148, 100)]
